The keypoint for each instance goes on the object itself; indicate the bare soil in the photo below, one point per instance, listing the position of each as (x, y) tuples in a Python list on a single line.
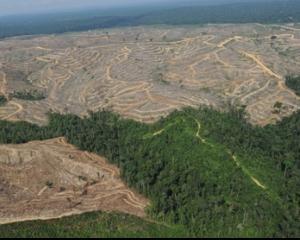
[(52, 179), (145, 73)]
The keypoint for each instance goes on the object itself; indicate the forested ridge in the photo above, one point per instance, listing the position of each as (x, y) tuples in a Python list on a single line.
[(210, 171)]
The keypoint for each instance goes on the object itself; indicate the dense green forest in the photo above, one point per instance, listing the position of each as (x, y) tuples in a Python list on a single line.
[(293, 82), (210, 171), (247, 12), (91, 225)]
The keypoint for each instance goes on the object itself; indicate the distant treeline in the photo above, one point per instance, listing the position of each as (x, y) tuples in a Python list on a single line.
[(260, 11), (210, 171)]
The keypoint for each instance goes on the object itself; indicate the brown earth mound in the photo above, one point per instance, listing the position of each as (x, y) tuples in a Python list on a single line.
[(51, 179)]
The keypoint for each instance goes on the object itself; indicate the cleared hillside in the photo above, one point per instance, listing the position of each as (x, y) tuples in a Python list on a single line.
[(146, 73), (51, 179)]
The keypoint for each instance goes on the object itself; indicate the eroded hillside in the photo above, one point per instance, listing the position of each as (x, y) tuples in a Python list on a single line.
[(51, 179), (146, 73)]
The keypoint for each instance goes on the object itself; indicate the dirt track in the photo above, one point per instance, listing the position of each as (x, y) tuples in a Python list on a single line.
[(234, 158), (145, 73), (142, 73), (51, 179)]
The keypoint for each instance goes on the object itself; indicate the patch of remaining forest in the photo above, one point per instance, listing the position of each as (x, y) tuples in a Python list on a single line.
[(92, 225), (210, 171), (294, 84)]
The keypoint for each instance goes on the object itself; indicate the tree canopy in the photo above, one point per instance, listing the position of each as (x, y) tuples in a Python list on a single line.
[(210, 171)]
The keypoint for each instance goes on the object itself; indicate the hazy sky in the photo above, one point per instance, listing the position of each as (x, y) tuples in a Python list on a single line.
[(29, 6), (8, 7)]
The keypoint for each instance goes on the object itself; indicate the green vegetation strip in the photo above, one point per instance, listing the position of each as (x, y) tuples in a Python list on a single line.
[(293, 82), (3, 100), (30, 95), (210, 171), (91, 225)]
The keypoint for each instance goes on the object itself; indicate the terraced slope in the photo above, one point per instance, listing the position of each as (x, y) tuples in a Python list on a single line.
[(145, 73), (51, 179)]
